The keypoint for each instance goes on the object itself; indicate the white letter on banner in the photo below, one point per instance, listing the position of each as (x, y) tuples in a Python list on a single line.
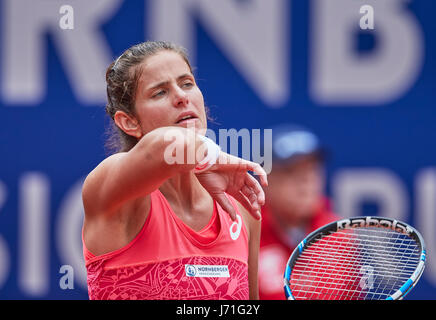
[(69, 232), (5, 260), (34, 240), (425, 216), (253, 35), (351, 187), (83, 51), (340, 76)]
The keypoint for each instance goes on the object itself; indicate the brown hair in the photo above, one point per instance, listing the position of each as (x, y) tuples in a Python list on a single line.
[(122, 81)]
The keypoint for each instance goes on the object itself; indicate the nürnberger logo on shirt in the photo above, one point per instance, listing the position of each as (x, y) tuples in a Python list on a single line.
[(203, 271)]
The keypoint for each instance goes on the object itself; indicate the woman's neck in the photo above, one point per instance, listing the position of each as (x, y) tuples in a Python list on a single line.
[(189, 200), (183, 190)]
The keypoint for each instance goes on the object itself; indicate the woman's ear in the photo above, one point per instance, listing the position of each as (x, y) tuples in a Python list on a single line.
[(128, 123)]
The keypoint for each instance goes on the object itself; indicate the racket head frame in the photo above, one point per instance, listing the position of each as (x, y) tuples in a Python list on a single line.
[(361, 222)]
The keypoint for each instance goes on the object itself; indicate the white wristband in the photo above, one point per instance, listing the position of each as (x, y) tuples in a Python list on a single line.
[(213, 152)]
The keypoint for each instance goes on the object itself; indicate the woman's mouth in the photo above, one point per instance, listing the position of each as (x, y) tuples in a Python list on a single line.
[(186, 119)]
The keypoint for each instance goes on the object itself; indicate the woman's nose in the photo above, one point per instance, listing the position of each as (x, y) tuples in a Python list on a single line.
[(180, 98)]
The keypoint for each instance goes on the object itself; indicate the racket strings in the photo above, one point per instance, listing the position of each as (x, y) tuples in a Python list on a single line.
[(379, 258), (361, 263), (342, 275)]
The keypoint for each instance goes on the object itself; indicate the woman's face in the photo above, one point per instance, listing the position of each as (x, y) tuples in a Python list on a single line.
[(167, 94)]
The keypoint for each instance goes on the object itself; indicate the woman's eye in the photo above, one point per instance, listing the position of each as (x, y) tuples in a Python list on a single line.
[(187, 85), (159, 94)]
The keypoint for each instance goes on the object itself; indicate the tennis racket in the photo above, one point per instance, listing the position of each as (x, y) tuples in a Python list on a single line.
[(362, 258)]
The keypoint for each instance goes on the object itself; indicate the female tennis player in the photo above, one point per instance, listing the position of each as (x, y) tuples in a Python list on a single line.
[(159, 229)]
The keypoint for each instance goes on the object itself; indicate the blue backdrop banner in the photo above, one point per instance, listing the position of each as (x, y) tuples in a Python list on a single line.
[(361, 74)]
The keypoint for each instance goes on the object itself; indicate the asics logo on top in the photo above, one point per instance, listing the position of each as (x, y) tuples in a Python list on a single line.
[(238, 224)]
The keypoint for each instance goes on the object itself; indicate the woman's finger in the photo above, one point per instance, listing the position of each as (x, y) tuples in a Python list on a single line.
[(224, 202), (251, 182), (251, 196), (247, 205), (257, 170), (229, 162)]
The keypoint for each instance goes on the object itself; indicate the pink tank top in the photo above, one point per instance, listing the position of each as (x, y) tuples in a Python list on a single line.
[(169, 260)]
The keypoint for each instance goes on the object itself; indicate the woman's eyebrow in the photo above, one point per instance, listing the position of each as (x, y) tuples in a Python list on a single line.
[(185, 75), (165, 83)]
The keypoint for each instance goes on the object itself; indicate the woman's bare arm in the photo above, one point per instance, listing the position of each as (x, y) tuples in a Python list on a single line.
[(126, 176), (253, 228)]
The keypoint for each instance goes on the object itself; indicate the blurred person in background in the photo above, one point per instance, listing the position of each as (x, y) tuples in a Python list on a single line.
[(295, 203)]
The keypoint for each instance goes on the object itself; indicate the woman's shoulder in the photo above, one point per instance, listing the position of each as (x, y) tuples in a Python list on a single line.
[(107, 162), (99, 172), (94, 181)]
